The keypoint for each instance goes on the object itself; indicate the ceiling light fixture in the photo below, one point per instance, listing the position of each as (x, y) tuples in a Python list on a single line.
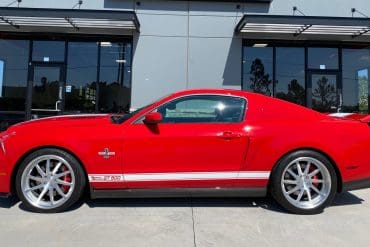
[(104, 43), (260, 45)]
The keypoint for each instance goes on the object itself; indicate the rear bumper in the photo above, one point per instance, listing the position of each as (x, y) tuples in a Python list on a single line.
[(356, 184)]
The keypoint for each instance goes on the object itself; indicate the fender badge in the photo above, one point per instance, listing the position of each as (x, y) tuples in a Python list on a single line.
[(106, 154)]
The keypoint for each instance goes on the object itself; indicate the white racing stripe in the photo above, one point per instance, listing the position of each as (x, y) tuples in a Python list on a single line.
[(178, 176)]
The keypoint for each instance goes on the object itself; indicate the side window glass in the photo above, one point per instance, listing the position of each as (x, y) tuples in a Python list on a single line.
[(204, 109)]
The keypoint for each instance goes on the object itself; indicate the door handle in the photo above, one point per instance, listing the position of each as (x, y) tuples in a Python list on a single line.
[(228, 135), (57, 103)]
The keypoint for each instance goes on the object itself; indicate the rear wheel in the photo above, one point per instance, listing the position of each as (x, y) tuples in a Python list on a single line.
[(49, 181), (304, 182)]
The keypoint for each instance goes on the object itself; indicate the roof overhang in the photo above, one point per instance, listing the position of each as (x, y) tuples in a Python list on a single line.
[(74, 21), (305, 27)]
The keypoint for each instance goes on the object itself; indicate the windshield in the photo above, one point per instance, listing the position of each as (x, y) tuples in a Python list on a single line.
[(123, 118)]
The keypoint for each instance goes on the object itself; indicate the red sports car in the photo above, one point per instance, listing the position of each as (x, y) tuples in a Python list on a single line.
[(203, 142)]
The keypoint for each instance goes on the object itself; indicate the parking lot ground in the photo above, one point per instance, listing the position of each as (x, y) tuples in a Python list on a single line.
[(188, 222)]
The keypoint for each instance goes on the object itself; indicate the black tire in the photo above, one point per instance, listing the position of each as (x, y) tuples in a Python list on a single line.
[(276, 187), (80, 180)]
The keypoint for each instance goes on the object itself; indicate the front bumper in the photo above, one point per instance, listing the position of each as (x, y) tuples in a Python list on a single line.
[(4, 195), (356, 184)]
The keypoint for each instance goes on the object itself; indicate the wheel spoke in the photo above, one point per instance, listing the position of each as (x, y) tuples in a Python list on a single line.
[(307, 168), (38, 179), (290, 182), (317, 191), (299, 197), (42, 194), (40, 186), (40, 171), (56, 168), (292, 173), (308, 192), (299, 168), (314, 173), (48, 167), (59, 191), (51, 195), (63, 182), (293, 190), (62, 174)]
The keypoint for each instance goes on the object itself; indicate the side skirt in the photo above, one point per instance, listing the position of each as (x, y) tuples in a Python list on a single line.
[(179, 192)]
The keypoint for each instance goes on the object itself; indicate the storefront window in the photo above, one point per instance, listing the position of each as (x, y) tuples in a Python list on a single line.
[(356, 66), (323, 58), (257, 69), (82, 65), (290, 74), (13, 80), (115, 77), (48, 51)]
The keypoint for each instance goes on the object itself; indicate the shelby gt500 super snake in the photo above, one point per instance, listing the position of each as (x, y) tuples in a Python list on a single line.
[(201, 142)]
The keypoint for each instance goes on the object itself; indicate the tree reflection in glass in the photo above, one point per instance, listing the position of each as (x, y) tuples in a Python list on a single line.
[(260, 81), (324, 95), (296, 93)]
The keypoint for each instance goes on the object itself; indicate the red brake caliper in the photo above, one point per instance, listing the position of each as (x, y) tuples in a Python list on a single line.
[(314, 177), (66, 178)]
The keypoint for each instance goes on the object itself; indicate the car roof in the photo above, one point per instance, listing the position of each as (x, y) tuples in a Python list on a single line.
[(212, 91)]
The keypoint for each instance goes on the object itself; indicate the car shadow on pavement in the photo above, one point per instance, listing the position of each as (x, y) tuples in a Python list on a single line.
[(341, 199), (8, 202)]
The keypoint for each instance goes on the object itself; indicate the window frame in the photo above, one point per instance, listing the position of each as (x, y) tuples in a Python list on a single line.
[(141, 118), (2, 77)]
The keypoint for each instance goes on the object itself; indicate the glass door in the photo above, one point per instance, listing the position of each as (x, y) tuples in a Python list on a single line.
[(46, 90), (323, 92)]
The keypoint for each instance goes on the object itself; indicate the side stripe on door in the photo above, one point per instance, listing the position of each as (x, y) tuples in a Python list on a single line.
[(177, 176)]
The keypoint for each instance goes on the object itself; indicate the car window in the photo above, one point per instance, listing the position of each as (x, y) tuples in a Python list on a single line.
[(203, 109)]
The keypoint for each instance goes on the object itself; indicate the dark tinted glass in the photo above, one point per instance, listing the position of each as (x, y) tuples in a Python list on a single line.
[(324, 92), (290, 75), (356, 72), (48, 51), (204, 109), (13, 80), (45, 89), (81, 77), (257, 70), (323, 58), (115, 77)]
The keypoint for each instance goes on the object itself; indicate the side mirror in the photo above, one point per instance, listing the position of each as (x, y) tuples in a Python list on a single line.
[(153, 118)]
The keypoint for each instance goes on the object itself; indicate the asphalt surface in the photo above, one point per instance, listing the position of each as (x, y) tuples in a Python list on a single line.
[(188, 222)]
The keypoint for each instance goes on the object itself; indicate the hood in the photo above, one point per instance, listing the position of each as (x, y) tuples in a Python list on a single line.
[(66, 120)]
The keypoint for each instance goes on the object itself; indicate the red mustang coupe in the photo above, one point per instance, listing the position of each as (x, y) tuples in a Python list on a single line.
[(203, 142)]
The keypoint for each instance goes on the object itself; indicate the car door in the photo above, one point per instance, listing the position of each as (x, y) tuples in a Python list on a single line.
[(200, 142)]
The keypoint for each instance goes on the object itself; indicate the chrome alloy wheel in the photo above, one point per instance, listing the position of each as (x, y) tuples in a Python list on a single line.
[(48, 182), (306, 183)]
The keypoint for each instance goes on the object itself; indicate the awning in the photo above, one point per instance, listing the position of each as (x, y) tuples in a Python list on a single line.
[(305, 27), (68, 21)]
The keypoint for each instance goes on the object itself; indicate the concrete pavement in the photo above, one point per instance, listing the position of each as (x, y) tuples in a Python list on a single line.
[(188, 222)]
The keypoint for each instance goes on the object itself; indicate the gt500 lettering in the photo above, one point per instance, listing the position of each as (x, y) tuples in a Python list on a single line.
[(106, 178)]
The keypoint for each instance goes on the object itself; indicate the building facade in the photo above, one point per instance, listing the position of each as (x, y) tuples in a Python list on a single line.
[(71, 57)]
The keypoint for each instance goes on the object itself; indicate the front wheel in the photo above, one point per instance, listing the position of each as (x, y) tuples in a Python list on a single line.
[(304, 182), (49, 181)]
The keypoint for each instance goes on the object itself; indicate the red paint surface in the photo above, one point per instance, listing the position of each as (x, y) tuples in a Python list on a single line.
[(271, 129)]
